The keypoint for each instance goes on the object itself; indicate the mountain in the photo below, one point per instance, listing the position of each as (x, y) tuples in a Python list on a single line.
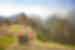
[(2, 19)]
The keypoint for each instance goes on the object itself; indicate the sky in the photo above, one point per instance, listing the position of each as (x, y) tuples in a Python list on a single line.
[(40, 7)]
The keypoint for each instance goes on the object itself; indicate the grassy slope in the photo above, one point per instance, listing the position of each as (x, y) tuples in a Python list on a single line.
[(16, 28), (50, 45)]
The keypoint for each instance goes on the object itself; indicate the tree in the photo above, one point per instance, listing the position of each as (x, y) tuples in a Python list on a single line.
[(7, 21), (71, 24), (56, 28)]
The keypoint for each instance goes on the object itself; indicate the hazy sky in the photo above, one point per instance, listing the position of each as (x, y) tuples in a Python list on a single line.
[(40, 7)]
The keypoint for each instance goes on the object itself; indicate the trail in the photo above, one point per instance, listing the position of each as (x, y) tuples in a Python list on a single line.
[(34, 45)]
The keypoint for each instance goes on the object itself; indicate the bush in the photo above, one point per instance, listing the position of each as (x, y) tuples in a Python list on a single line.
[(42, 36)]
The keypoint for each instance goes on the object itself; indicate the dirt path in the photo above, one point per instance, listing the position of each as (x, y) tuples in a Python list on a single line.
[(33, 46)]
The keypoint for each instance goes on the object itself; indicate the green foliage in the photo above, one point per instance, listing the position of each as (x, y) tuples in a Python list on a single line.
[(42, 36)]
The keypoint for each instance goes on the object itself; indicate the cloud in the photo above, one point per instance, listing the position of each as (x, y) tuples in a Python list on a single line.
[(12, 9), (43, 11)]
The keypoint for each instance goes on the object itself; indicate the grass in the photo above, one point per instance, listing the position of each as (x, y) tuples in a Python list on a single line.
[(6, 41), (53, 45), (15, 28), (49, 45)]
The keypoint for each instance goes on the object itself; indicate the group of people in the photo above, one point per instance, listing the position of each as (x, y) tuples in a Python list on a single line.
[(24, 38)]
